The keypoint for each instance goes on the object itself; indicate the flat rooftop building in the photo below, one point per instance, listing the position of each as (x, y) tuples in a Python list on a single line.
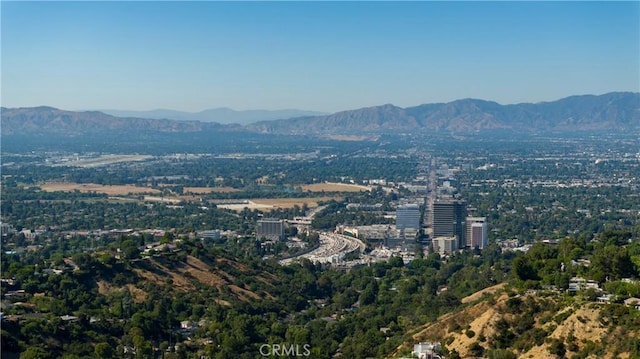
[(408, 217), (270, 228), (445, 245), (476, 232)]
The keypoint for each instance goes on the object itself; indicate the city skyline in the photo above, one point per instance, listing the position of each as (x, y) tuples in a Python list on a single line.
[(320, 56)]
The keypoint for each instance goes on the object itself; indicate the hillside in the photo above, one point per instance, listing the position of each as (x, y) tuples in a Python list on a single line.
[(226, 280), (612, 111), (536, 324), (191, 273)]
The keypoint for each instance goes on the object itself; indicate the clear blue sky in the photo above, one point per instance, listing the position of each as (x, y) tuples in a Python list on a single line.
[(325, 56)]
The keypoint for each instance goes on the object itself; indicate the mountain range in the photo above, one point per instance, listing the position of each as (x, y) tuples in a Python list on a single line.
[(616, 111), (611, 111), (49, 120), (220, 115)]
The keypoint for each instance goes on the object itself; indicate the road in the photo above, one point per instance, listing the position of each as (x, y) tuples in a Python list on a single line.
[(333, 247)]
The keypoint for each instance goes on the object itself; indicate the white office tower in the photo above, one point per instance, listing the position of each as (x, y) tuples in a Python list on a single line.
[(408, 217), (476, 232)]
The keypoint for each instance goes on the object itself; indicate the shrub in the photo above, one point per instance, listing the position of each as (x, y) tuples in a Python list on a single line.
[(557, 348), (476, 349)]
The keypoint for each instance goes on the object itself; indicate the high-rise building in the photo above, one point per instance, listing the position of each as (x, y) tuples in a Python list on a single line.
[(449, 220), (408, 217), (476, 232), (270, 228)]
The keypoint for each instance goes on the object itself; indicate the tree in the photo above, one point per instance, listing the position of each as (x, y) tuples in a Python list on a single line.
[(129, 249), (368, 295), (103, 350), (476, 350), (557, 348), (523, 269), (611, 261), (35, 353), (396, 261)]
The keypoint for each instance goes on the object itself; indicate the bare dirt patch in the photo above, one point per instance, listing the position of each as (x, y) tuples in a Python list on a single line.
[(111, 190), (242, 293), (334, 187), (139, 295), (483, 323), (184, 274), (202, 272), (583, 324), (235, 265)]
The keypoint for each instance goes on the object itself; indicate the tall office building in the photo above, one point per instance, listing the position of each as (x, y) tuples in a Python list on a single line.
[(408, 217), (449, 220), (476, 232), (270, 228)]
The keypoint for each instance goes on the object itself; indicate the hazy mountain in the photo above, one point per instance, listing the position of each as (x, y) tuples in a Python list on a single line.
[(619, 111), (612, 111), (220, 115), (32, 120)]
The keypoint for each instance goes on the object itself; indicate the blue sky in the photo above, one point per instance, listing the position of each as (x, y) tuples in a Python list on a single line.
[(324, 56)]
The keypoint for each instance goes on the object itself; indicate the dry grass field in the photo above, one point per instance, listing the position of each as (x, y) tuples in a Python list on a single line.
[(311, 202), (477, 295), (205, 190), (266, 204), (334, 187), (98, 188), (191, 194)]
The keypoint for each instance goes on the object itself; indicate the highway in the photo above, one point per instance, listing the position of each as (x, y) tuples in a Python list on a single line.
[(332, 249)]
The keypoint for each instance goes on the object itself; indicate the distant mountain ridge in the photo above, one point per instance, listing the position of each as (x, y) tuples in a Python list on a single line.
[(612, 111), (222, 115), (50, 120), (615, 111)]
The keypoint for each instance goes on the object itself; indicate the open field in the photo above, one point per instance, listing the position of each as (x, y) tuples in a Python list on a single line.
[(205, 190), (153, 195), (334, 187), (271, 203), (98, 188), (163, 199)]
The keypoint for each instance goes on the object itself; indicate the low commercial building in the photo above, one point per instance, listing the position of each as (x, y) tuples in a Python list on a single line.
[(427, 350), (445, 245)]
